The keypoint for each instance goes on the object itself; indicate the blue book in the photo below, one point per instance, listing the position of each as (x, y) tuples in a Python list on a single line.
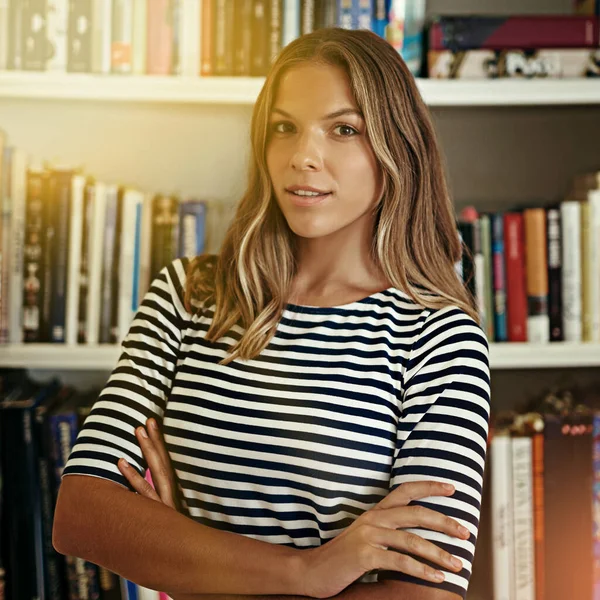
[(344, 14), (381, 17), (362, 14), (500, 325), (192, 224)]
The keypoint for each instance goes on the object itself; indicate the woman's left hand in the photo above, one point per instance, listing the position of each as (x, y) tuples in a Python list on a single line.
[(159, 463)]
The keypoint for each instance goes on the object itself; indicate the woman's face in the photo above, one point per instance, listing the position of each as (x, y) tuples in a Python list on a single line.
[(318, 142)]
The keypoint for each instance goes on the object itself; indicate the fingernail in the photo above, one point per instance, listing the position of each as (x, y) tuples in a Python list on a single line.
[(143, 432), (464, 531), (153, 424), (456, 562), (449, 487), (124, 464), (439, 576)]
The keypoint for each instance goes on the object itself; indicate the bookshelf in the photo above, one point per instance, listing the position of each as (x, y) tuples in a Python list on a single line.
[(104, 357), (244, 90)]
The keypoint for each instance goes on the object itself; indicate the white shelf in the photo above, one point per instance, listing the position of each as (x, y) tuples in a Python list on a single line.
[(244, 90), (104, 356)]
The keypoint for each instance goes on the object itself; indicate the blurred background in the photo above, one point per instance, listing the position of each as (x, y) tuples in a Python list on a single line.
[(124, 143)]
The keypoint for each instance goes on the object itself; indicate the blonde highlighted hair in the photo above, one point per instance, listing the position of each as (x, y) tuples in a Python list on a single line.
[(415, 241)]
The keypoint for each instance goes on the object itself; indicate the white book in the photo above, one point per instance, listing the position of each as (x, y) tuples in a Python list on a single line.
[(95, 251), (121, 37), (189, 22), (147, 594), (102, 35), (593, 274), (132, 205), (57, 26), (523, 518), (502, 518), (18, 198), (140, 33), (145, 248), (74, 260), (3, 35), (570, 212), (291, 22)]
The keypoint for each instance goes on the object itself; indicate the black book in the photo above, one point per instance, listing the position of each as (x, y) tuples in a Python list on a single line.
[(79, 37), (555, 312)]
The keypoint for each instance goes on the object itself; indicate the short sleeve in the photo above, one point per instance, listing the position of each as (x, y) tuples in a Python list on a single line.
[(443, 431), (139, 385)]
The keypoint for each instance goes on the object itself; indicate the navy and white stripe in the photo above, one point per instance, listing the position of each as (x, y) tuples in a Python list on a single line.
[(344, 404)]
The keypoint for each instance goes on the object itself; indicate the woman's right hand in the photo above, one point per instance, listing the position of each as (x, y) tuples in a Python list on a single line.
[(363, 546)]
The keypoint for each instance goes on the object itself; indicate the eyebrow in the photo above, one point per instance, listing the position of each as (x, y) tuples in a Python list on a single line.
[(333, 115)]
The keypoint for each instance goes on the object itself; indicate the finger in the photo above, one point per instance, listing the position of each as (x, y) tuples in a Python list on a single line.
[(414, 490), (411, 543), (387, 560), (159, 444), (419, 516), (138, 483), (158, 470)]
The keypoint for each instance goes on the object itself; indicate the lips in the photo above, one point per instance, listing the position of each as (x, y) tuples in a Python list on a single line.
[(307, 200)]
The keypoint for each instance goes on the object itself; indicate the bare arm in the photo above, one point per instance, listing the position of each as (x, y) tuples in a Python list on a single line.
[(384, 590), (92, 514)]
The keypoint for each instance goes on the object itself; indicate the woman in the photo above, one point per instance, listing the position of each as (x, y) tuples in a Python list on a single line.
[(320, 380)]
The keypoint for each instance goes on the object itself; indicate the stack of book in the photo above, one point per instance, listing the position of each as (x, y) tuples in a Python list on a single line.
[(535, 272), (483, 47), (187, 37), (77, 254), (38, 428), (542, 508)]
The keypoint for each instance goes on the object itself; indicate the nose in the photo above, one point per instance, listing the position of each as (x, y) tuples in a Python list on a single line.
[(307, 153)]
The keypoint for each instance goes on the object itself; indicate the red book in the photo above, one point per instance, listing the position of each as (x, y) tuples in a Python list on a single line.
[(516, 290), (160, 38), (520, 32)]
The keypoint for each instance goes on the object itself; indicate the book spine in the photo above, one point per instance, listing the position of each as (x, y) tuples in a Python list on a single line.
[(139, 38), (291, 23), (4, 35), (15, 35), (593, 250), (344, 14), (586, 279), (380, 18), (479, 270), (177, 24), (522, 464), (145, 247), (495, 32), (307, 16), (116, 269), (79, 37), (74, 258), (57, 19), (192, 216), (326, 14), (97, 240), (84, 265), (538, 513), (364, 14), (243, 38), (536, 269), (502, 518), (6, 238), (159, 49), (207, 42), (102, 36), (121, 37), (554, 274), (190, 38), (224, 42), (486, 249), (33, 35), (260, 38), (570, 212), (18, 196), (107, 264), (32, 252), (516, 293), (61, 255)]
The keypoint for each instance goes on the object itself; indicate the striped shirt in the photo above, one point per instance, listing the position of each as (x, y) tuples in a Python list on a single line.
[(342, 406)]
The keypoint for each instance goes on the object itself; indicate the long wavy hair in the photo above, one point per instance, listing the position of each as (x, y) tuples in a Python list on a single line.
[(415, 239)]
